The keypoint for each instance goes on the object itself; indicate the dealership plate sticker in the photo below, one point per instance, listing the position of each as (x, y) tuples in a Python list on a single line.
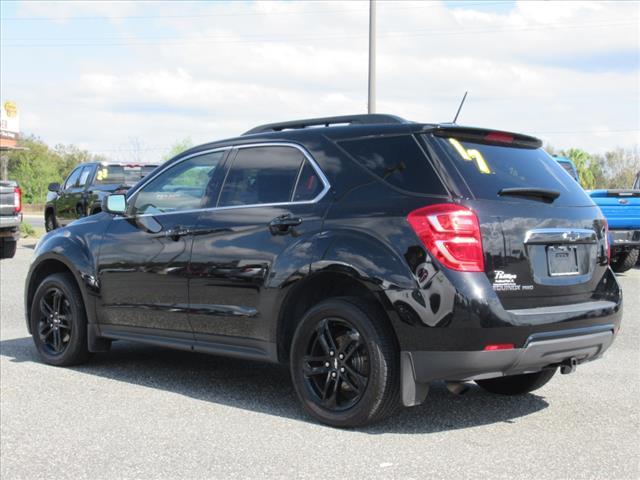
[(507, 282)]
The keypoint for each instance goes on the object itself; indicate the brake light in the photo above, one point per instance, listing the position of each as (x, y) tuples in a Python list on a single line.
[(607, 244), (17, 199), (499, 137), (452, 234), (499, 346)]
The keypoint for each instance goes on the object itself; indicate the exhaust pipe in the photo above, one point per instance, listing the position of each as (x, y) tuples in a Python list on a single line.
[(569, 366)]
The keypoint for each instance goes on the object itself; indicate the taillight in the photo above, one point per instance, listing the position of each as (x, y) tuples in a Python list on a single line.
[(452, 234), (607, 244), (492, 347), (17, 199), (499, 137)]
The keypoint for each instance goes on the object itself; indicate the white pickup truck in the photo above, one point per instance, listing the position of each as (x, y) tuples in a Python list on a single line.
[(10, 217)]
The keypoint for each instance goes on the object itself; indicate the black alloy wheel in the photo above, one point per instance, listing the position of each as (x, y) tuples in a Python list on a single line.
[(336, 367), (344, 363), (59, 322), (55, 322)]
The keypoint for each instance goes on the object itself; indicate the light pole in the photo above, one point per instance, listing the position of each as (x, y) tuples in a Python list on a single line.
[(371, 104)]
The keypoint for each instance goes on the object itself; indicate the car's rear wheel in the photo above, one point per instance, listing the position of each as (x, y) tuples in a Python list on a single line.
[(517, 384), (50, 222), (625, 261), (344, 363), (59, 322), (8, 247)]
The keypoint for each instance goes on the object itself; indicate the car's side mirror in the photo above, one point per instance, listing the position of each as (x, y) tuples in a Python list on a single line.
[(117, 203), (54, 187)]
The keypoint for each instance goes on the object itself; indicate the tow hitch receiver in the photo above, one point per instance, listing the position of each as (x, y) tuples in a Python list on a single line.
[(569, 366)]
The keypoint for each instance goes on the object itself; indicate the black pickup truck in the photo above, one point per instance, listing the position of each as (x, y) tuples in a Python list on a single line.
[(85, 189)]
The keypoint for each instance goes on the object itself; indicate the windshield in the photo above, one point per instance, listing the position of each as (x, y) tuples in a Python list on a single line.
[(122, 174), (487, 169)]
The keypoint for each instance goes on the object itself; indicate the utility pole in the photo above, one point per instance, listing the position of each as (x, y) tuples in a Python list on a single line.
[(371, 104)]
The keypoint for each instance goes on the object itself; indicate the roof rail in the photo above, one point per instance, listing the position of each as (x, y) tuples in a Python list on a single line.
[(370, 119)]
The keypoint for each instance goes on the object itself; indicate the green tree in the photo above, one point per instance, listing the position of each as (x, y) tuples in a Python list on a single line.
[(33, 168), (589, 171), (177, 148)]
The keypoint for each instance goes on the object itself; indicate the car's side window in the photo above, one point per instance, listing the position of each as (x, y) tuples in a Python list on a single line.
[(84, 176), (72, 179), (187, 185), (261, 175)]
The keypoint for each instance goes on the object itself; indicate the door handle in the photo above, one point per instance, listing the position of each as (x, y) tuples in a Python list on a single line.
[(283, 224), (175, 233)]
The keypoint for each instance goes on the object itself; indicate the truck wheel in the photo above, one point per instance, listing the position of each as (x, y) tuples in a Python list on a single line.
[(517, 384), (50, 222), (625, 261), (8, 248), (344, 363), (59, 322)]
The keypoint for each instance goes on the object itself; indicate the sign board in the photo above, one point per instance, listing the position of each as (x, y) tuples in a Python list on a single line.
[(9, 123)]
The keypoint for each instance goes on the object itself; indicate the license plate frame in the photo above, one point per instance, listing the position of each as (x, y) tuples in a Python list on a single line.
[(562, 260)]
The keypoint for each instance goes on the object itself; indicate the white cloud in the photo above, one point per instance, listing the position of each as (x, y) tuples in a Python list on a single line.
[(216, 76)]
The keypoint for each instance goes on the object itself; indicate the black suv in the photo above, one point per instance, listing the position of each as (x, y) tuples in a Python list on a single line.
[(371, 254), (85, 189)]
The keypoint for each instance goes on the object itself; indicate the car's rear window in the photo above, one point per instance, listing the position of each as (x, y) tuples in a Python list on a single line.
[(122, 174), (398, 160), (489, 168)]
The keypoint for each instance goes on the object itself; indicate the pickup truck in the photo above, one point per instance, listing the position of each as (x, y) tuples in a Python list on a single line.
[(621, 208), (85, 189), (10, 217)]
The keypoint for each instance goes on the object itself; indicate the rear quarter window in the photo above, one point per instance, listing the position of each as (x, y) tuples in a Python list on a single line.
[(487, 169), (398, 160)]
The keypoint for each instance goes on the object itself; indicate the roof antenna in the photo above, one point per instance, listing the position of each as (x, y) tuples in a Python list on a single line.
[(460, 107)]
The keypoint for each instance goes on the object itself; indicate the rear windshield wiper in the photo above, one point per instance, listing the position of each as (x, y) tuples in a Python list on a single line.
[(542, 194)]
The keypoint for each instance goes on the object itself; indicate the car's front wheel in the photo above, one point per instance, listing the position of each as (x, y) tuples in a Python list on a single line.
[(50, 222), (59, 322), (517, 384), (344, 363)]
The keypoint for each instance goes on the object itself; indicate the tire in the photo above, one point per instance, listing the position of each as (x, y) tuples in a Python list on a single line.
[(50, 222), (625, 261), (8, 248), (517, 384), (61, 339), (366, 386)]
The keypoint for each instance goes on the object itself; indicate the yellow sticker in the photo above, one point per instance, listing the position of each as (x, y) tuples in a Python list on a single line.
[(102, 174), (480, 161), (471, 155), (460, 149)]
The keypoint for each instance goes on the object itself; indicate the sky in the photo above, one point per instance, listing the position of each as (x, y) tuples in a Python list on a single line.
[(130, 79)]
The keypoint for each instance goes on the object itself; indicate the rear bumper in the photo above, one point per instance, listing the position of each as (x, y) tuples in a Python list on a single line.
[(10, 225), (622, 238), (542, 350)]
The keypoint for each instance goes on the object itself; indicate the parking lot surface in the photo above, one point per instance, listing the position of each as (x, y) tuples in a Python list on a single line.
[(145, 412)]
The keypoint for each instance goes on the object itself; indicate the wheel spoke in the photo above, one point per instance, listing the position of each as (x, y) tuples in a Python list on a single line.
[(57, 340), (310, 370), (45, 308), (44, 331), (350, 347), (330, 393), (350, 384), (57, 300), (325, 338), (359, 379)]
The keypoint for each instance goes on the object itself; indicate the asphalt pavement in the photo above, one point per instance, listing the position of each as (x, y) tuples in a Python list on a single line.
[(144, 412)]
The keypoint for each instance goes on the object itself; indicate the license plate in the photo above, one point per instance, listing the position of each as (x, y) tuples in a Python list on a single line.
[(562, 260)]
